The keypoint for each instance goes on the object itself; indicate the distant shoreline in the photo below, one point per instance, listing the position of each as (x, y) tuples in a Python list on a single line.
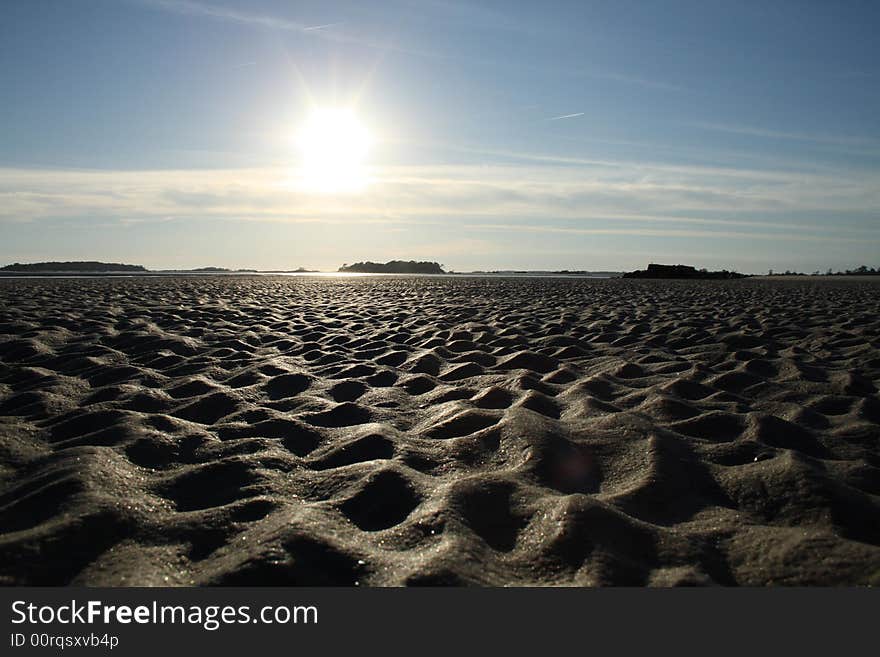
[(411, 268), (458, 275)]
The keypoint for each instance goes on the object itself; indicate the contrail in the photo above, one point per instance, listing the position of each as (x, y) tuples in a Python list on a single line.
[(320, 27), (566, 116)]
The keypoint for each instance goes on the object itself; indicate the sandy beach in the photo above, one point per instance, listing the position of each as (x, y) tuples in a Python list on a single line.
[(381, 431)]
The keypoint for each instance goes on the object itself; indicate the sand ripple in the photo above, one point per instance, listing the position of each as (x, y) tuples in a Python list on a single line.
[(386, 431)]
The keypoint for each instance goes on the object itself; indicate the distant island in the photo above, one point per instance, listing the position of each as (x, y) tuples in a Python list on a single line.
[(217, 270), (92, 267), (87, 266), (654, 271), (682, 271), (394, 267), (862, 270)]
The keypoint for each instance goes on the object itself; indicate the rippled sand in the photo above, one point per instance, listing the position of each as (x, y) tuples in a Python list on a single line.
[(387, 431)]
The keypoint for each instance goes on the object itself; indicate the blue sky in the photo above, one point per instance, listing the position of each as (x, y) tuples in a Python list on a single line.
[(553, 135)]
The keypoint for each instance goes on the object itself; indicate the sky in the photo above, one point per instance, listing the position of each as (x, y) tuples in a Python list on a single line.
[(502, 135)]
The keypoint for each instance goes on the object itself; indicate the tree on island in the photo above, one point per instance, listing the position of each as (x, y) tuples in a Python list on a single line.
[(394, 267), (682, 271), (79, 266), (861, 270)]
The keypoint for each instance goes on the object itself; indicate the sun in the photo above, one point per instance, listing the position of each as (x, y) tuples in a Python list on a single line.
[(334, 146)]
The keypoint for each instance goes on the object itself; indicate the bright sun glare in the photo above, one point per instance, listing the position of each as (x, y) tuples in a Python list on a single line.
[(334, 146)]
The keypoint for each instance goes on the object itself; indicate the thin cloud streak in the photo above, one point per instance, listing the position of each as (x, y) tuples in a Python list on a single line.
[(468, 196), (216, 12), (649, 232), (192, 8), (321, 27), (863, 145), (767, 174), (632, 80), (566, 116), (196, 8)]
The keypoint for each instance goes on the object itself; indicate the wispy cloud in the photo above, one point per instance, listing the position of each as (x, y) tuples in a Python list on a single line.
[(620, 200), (775, 169), (859, 144), (193, 8), (665, 232), (269, 21), (566, 116), (478, 17), (650, 83)]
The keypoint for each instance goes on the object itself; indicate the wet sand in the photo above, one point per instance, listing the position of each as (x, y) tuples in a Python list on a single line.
[(446, 431)]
